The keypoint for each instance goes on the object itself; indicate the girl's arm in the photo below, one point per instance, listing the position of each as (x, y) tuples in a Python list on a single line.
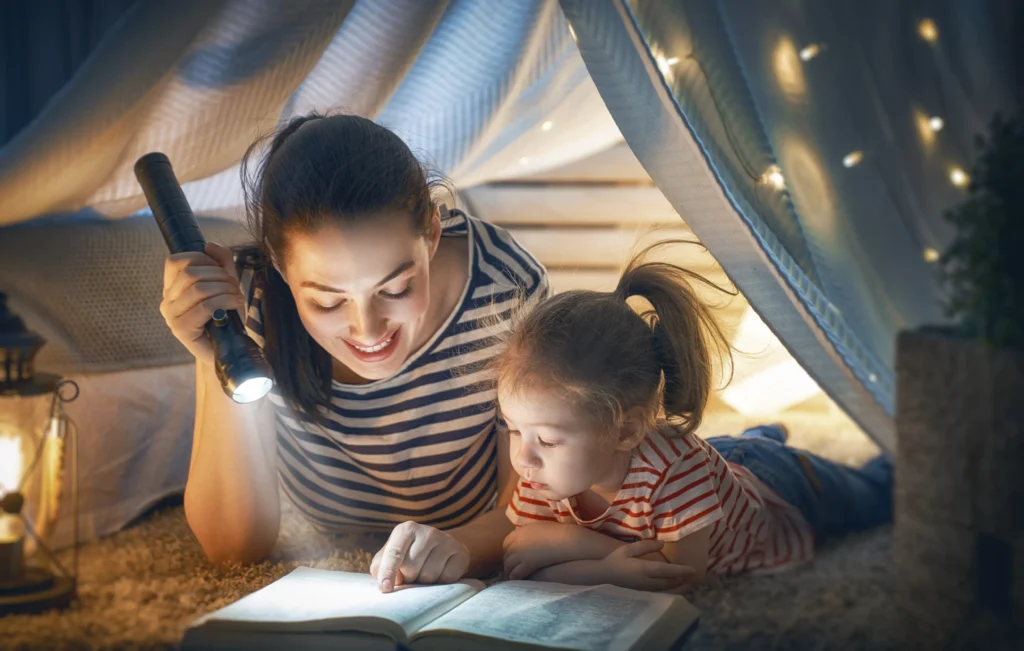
[(627, 567)]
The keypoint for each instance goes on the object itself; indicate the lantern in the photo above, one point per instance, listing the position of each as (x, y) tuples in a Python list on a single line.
[(38, 452)]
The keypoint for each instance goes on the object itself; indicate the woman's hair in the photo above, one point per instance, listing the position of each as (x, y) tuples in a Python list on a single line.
[(319, 170), (597, 351)]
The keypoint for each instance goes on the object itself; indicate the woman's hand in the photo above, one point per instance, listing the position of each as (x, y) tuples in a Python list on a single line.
[(196, 284), (535, 546), (417, 553), (624, 567)]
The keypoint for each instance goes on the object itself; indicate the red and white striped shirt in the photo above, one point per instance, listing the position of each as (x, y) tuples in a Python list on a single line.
[(677, 485)]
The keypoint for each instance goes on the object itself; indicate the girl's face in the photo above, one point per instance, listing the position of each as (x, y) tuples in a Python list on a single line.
[(363, 291), (558, 450)]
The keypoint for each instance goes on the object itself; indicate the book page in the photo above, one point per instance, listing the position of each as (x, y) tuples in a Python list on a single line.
[(588, 618), (310, 599)]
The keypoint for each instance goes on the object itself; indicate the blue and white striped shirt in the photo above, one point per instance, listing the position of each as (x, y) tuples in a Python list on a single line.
[(420, 445)]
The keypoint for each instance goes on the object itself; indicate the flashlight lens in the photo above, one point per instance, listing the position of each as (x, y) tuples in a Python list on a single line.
[(252, 389)]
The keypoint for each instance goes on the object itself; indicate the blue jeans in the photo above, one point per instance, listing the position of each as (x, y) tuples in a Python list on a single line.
[(835, 499)]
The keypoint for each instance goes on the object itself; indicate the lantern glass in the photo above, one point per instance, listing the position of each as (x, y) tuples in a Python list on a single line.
[(33, 478), (30, 461)]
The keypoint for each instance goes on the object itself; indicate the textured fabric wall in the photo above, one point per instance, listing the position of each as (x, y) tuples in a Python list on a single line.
[(467, 83)]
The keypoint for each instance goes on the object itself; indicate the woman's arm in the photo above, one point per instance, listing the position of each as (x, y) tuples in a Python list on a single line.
[(483, 536), (231, 497)]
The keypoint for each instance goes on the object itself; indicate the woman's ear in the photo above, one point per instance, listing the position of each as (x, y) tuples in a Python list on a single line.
[(434, 237), (633, 430), (278, 269)]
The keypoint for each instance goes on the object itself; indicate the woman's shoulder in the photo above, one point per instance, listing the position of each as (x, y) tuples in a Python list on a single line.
[(498, 257)]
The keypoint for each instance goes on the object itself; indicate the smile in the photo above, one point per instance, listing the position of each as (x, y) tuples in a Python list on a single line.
[(377, 352), (374, 348)]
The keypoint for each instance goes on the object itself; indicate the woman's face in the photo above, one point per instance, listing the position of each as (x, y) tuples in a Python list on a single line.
[(363, 290)]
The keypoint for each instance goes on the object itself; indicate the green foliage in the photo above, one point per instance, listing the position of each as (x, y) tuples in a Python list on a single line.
[(983, 269)]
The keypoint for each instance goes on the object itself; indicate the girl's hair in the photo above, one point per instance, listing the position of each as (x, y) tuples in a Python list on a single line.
[(319, 170), (596, 350)]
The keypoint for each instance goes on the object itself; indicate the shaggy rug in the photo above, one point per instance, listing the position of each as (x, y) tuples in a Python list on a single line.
[(141, 587)]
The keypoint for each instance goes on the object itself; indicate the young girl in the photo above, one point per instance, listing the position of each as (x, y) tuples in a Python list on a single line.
[(369, 300), (609, 493)]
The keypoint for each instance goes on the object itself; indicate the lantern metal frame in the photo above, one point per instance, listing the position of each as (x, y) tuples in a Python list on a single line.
[(36, 587)]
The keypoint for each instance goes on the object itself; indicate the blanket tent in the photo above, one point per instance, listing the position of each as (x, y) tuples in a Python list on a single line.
[(813, 147)]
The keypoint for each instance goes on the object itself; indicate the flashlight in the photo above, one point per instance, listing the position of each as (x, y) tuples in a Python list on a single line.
[(239, 363)]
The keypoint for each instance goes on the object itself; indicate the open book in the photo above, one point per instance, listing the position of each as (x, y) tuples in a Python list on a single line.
[(313, 609)]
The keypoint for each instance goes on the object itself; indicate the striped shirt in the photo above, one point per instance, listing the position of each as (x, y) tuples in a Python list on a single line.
[(420, 445), (677, 485)]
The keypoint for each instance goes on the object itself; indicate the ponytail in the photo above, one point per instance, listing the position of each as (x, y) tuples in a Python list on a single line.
[(685, 335)]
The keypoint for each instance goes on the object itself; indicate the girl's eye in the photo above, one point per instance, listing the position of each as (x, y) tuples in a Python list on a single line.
[(545, 444), (397, 295)]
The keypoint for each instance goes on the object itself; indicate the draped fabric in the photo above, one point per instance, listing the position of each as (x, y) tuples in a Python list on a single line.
[(816, 175), (466, 83)]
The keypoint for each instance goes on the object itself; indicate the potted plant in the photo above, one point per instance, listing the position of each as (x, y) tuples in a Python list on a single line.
[(959, 497)]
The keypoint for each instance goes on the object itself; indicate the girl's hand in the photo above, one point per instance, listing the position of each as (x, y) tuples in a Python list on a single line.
[(196, 284), (624, 567), (535, 546), (417, 553)]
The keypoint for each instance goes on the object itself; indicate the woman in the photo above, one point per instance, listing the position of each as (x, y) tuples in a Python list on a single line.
[(370, 302)]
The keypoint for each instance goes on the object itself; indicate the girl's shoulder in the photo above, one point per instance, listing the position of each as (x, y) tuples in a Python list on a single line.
[(497, 258)]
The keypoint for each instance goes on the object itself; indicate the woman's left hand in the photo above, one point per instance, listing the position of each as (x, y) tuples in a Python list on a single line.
[(418, 553)]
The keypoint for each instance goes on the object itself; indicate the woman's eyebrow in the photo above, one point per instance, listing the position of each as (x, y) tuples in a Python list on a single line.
[(405, 266)]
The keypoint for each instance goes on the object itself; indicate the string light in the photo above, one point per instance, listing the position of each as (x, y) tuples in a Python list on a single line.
[(852, 158), (547, 126), (935, 123), (928, 30), (665, 64), (773, 176), (525, 160), (931, 255), (958, 177), (810, 51)]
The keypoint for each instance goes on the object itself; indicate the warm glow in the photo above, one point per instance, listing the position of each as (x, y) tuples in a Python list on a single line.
[(788, 70), (935, 123), (852, 158), (773, 176), (766, 379), (10, 462), (931, 255), (928, 30), (810, 52), (547, 126), (958, 177), (924, 128)]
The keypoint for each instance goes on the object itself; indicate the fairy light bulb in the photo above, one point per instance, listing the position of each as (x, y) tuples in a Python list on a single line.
[(665, 65), (928, 30), (935, 123), (853, 158), (525, 160), (547, 126), (773, 176), (931, 255), (810, 51), (958, 177)]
